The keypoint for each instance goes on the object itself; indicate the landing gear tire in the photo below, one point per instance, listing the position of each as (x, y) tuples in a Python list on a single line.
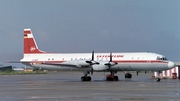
[(85, 78), (112, 78), (158, 79), (128, 75), (116, 78)]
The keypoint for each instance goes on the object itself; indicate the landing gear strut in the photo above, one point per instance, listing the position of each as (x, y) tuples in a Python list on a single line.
[(85, 77), (158, 79), (112, 77)]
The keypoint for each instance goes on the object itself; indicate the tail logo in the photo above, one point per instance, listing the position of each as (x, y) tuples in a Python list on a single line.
[(32, 49)]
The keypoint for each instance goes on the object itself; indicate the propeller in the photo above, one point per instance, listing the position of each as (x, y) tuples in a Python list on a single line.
[(92, 62), (110, 63)]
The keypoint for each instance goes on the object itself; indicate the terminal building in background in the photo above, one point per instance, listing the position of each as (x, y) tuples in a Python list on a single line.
[(4, 68), (173, 73)]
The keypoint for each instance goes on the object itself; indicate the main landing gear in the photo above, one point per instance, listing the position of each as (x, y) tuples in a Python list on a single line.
[(112, 77), (85, 77)]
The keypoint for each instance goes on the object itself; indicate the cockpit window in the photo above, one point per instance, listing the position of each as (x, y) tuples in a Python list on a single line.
[(162, 58), (165, 58), (158, 58)]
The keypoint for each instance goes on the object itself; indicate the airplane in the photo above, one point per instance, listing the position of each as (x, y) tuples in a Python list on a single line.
[(90, 62)]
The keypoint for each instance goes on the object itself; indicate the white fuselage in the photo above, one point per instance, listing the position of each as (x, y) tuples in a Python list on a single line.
[(139, 61)]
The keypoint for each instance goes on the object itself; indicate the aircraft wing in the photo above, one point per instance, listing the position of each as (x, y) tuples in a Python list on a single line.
[(61, 64), (67, 63), (12, 61)]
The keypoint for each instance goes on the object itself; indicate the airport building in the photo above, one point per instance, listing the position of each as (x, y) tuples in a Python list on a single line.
[(173, 73), (4, 68), (22, 69)]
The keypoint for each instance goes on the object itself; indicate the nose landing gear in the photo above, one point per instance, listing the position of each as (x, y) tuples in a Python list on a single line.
[(158, 79), (128, 75)]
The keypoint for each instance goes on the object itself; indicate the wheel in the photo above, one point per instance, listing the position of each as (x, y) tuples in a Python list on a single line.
[(82, 78), (116, 78), (85, 78), (110, 77), (158, 79), (128, 75), (88, 78)]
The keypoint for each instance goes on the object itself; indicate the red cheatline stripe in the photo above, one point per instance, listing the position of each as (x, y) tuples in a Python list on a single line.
[(141, 61)]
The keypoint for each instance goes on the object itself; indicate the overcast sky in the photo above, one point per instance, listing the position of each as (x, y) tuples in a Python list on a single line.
[(86, 25)]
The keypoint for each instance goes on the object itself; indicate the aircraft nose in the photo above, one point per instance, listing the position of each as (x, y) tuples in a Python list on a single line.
[(171, 64)]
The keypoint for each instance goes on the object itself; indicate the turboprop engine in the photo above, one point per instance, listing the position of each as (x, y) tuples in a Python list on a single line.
[(100, 67)]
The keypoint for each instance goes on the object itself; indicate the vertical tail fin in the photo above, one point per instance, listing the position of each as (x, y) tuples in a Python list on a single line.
[(30, 45)]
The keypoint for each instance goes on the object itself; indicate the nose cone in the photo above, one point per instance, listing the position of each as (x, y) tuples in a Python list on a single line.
[(171, 64)]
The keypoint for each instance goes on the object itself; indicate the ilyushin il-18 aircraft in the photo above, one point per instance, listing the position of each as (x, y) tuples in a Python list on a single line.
[(92, 62)]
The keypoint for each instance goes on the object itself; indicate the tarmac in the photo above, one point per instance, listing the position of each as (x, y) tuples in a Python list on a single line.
[(67, 86)]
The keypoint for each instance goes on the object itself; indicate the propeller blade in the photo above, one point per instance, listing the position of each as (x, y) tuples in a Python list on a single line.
[(92, 62), (92, 59), (89, 62), (110, 57), (110, 63)]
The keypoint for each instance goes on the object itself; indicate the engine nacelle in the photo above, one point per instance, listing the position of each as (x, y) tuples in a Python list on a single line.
[(110, 63), (78, 63), (100, 67)]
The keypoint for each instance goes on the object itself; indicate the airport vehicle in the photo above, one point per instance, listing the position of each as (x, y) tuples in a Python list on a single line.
[(90, 62)]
